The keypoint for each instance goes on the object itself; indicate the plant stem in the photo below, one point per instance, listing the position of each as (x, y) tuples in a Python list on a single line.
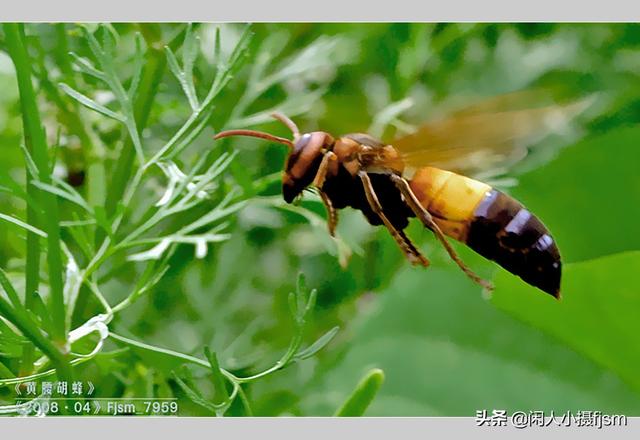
[(32, 273), (185, 357), (28, 328), (36, 143), (245, 402)]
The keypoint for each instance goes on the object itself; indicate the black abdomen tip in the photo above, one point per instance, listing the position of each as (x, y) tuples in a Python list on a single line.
[(505, 232)]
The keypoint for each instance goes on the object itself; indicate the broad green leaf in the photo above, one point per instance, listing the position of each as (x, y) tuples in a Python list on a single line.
[(447, 351), (599, 314)]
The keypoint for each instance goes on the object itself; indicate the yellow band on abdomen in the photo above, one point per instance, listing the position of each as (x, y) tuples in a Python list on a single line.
[(449, 197)]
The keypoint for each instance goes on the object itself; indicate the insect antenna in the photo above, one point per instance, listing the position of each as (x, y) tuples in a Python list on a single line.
[(288, 122), (254, 133)]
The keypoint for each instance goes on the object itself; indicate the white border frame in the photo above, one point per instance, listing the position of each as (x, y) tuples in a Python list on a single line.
[(322, 11)]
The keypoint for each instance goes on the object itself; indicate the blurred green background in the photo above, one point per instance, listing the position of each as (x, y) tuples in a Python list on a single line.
[(445, 348)]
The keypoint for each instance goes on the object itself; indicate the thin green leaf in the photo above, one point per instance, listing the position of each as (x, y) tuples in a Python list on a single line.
[(69, 189), (213, 216), (15, 189), (9, 334), (102, 220), (223, 76), (364, 393), (189, 50), (73, 198), (90, 103), (138, 62), (192, 395), (217, 377), (173, 64), (75, 228), (110, 38), (152, 274), (311, 302), (318, 345), (241, 46), (293, 305), (209, 175), (159, 355), (95, 46), (9, 289), (85, 66), (24, 225), (182, 77), (189, 55), (193, 133), (5, 373), (41, 311), (31, 165), (216, 47)]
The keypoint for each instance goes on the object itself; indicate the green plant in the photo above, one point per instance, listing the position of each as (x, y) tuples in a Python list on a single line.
[(88, 242), (197, 249), (362, 396), (301, 304)]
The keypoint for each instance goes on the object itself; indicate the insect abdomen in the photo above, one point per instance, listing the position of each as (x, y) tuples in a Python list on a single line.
[(450, 198), (506, 232), (491, 223)]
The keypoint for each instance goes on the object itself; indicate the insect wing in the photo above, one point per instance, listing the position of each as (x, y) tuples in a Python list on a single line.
[(486, 138)]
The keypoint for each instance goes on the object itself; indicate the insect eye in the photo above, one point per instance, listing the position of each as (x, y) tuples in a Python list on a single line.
[(302, 142)]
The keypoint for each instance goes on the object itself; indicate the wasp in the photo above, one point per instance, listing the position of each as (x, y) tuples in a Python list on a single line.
[(421, 175)]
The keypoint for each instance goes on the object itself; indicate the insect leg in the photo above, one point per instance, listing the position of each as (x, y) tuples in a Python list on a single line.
[(318, 182), (331, 213), (421, 259), (413, 254), (427, 220)]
